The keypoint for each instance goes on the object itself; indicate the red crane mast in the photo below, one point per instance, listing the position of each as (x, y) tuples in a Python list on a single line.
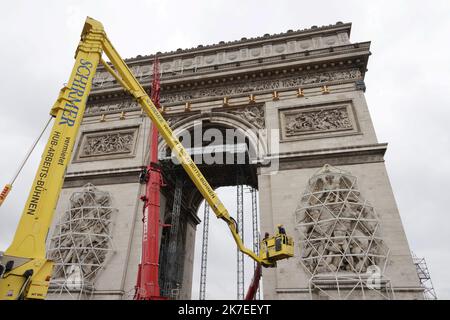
[(254, 286), (147, 286)]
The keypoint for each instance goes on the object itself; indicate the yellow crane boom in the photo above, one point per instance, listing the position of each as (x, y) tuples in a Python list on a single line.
[(24, 270)]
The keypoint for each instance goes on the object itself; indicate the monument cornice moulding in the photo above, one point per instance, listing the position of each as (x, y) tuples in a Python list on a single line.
[(378, 148), (351, 155), (314, 31), (244, 87), (105, 83), (108, 171)]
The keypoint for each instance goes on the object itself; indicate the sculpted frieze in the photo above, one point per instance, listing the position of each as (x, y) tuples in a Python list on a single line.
[(234, 89), (261, 85), (252, 114), (318, 120), (117, 106), (114, 143)]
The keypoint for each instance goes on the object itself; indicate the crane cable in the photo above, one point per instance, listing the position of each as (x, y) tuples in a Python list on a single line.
[(8, 186)]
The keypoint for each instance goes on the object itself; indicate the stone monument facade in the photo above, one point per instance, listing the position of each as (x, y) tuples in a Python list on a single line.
[(319, 168)]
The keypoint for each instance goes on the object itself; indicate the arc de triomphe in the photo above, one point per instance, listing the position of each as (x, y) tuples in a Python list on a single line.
[(326, 181)]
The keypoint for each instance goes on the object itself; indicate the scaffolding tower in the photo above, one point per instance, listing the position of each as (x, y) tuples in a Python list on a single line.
[(204, 252), (81, 243), (240, 225), (255, 225), (171, 287), (340, 239), (424, 278)]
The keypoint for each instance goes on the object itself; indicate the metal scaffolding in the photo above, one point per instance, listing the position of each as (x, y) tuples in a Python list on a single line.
[(171, 285), (424, 278), (255, 225), (81, 243), (204, 252), (350, 286), (340, 239), (240, 224)]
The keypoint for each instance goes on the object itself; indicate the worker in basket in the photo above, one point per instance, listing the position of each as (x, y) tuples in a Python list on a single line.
[(282, 232), (265, 239)]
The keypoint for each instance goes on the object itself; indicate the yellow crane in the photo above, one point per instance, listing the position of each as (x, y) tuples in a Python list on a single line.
[(25, 272)]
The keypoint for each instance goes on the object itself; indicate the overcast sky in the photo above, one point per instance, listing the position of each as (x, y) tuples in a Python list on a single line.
[(408, 86)]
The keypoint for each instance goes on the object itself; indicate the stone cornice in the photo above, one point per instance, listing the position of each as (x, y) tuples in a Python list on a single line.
[(338, 79), (115, 176), (334, 156), (378, 148), (241, 55), (338, 27), (354, 55), (308, 290), (70, 175)]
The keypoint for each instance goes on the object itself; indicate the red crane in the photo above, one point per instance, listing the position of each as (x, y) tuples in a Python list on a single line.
[(254, 286), (147, 286)]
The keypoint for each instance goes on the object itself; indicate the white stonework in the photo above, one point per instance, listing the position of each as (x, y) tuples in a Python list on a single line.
[(318, 114)]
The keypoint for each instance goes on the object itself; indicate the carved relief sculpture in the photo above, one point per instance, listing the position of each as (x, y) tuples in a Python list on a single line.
[(172, 120), (318, 121), (261, 85), (118, 142), (118, 106), (227, 90), (254, 115)]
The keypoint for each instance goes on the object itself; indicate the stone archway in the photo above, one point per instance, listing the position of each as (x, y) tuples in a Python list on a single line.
[(252, 127), (217, 174)]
